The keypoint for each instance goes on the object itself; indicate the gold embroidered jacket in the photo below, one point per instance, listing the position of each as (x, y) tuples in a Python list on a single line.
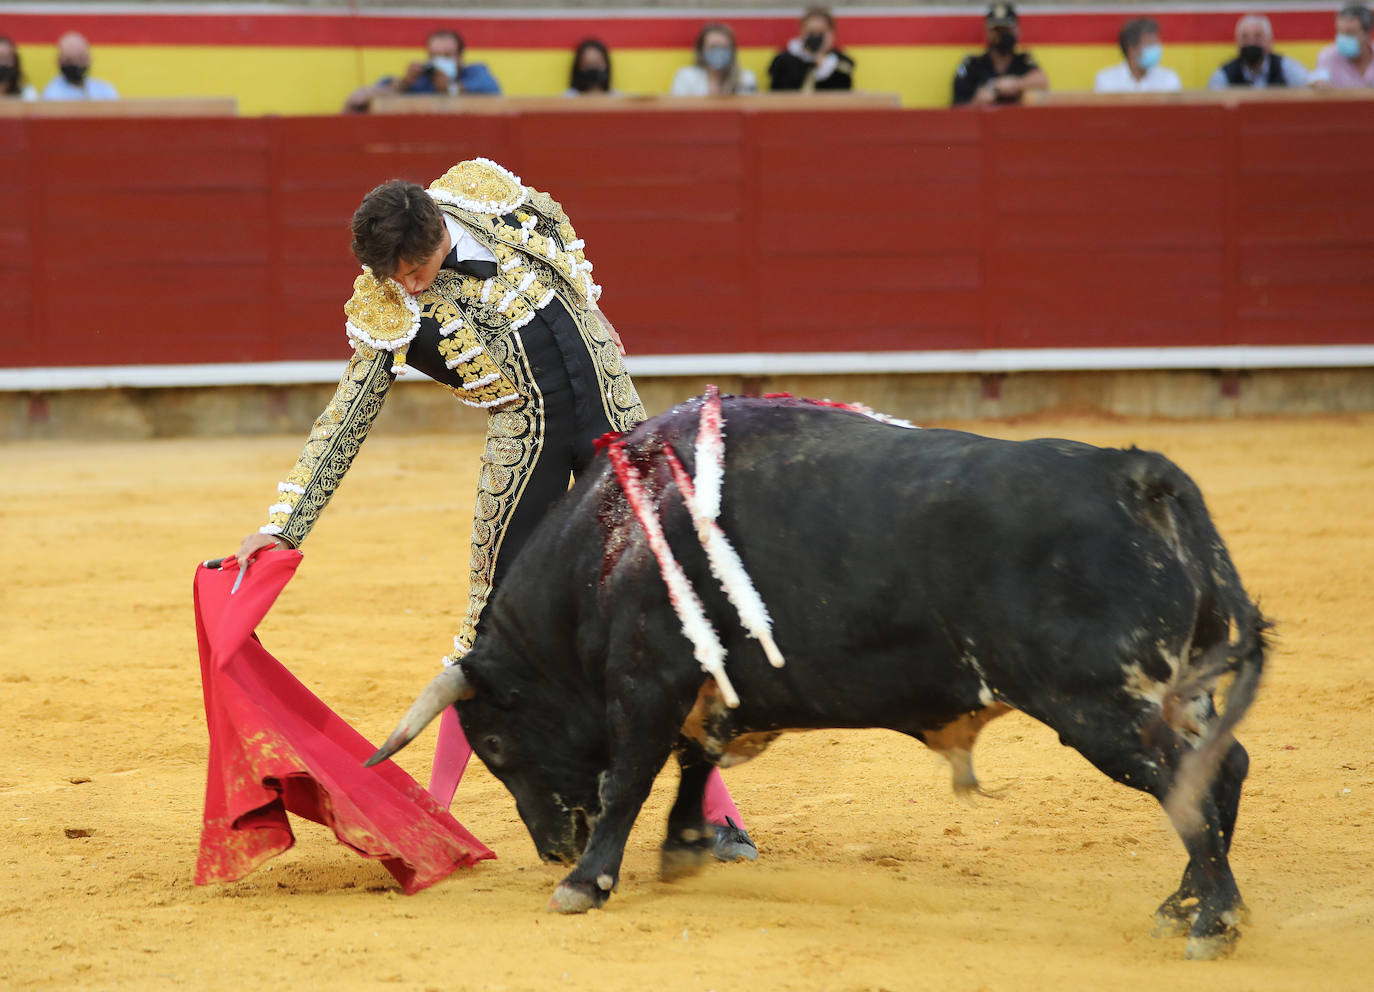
[(539, 259)]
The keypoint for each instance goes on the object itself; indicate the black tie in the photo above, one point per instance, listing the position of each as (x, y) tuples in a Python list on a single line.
[(469, 266)]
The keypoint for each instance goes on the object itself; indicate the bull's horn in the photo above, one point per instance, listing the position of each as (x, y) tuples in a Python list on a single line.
[(443, 691)]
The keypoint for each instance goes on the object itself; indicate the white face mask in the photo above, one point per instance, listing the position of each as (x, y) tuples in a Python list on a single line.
[(445, 64), (717, 57)]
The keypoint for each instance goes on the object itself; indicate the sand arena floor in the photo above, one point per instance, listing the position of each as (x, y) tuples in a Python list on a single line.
[(873, 876)]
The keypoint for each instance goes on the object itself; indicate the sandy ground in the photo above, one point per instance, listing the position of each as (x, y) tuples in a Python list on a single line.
[(873, 876)]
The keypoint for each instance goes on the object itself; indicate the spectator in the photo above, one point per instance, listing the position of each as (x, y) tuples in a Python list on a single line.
[(443, 71), (12, 81), (717, 70), (1001, 74), (811, 61), (591, 69), (1256, 64), (1349, 63), (1141, 72), (74, 62)]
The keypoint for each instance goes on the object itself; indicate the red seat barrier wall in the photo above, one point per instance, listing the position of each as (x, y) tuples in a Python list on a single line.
[(136, 241)]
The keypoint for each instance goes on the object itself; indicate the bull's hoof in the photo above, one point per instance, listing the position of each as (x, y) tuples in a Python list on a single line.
[(1214, 947), (575, 897), (1176, 915), (676, 863), (1170, 926)]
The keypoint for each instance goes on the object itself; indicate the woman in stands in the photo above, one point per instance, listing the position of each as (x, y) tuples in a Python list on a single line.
[(591, 70), (717, 71), (12, 82)]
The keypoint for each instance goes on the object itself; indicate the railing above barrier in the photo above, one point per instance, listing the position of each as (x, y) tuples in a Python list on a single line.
[(190, 106), (1227, 97), (429, 104)]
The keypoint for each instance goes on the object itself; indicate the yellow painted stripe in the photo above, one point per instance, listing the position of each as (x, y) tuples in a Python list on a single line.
[(317, 80)]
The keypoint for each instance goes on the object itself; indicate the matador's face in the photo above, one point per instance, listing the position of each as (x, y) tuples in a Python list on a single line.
[(417, 276)]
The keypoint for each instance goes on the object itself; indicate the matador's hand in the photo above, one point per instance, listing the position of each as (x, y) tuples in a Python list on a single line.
[(252, 544), (610, 329)]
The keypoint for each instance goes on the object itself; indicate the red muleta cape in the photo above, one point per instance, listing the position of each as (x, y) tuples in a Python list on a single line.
[(276, 748)]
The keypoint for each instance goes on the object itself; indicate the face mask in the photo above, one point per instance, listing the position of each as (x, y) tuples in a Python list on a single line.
[(813, 41), (717, 57), (1348, 45), (1150, 56), (1252, 54), (74, 74), (448, 66), (591, 79), (1005, 43)]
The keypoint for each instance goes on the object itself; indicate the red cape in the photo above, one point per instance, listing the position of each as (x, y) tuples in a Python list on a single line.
[(275, 748)]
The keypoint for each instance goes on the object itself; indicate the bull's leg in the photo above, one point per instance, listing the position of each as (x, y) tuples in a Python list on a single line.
[(643, 732), (1112, 741), (1176, 915), (687, 848)]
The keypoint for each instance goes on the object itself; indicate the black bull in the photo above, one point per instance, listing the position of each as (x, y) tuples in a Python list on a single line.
[(925, 581)]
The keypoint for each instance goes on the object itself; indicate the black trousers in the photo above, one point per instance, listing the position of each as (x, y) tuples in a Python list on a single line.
[(533, 448)]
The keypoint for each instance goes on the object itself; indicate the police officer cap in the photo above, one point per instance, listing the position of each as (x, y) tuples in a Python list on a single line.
[(1001, 15)]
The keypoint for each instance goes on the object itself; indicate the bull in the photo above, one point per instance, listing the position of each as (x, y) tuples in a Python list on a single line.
[(920, 580)]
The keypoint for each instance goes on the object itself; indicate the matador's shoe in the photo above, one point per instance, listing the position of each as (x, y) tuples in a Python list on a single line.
[(733, 843)]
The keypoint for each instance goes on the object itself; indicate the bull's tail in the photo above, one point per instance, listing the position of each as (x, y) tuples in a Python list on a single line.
[(1207, 559), (1245, 657), (1169, 502)]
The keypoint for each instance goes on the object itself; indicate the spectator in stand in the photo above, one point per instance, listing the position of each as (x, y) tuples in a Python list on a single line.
[(1257, 64), (811, 61), (443, 71), (1141, 71), (12, 81), (75, 83), (591, 70), (717, 71), (1349, 63), (1001, 74)]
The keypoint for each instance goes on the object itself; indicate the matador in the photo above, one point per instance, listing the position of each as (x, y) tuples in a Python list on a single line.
[(481, 283)]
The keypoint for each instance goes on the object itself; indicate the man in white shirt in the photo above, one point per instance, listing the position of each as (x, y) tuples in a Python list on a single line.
[(74, 61), (1141, 72)]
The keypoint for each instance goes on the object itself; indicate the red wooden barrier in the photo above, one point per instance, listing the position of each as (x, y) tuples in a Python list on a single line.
[(170, 241)]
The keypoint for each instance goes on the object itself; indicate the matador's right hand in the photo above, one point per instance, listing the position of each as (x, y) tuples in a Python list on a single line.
[(254, 543)]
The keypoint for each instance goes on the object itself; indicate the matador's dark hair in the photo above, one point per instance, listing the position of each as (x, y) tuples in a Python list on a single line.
[(396, 222)]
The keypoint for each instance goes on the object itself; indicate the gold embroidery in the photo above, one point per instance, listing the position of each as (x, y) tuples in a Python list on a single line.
[(479, 185), (334, 440), (541, 245), (381, 315), (619, 398), (515, 438), (470, 328)]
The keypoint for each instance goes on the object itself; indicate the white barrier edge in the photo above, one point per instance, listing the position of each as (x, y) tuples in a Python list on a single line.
[(751, 364)]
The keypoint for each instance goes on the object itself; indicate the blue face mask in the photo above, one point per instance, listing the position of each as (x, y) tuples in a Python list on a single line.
[(717, 57), (448, 66), (1150, 55), (1348, 45)]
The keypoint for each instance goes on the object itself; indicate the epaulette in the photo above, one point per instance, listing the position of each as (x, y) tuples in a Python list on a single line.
[(382, 315)]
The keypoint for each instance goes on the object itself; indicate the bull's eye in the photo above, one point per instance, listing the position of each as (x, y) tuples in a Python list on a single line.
[(493, 745)]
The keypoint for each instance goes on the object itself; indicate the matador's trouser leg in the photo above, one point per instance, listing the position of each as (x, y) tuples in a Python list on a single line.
[(531, 451)]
